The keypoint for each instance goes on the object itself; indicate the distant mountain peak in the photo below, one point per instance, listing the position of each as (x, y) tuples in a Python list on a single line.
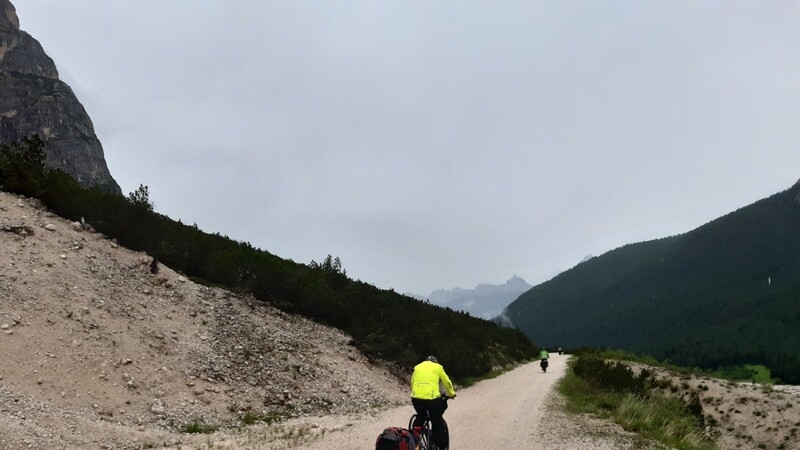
[(8, 15), (485, 300)]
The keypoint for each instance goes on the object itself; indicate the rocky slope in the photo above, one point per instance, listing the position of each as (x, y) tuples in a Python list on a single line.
[(96, 351), (740, 415), (34, 101)]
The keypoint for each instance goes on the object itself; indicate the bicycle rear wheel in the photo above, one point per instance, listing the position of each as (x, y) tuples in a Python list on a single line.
[(446, 435), (423, 439)]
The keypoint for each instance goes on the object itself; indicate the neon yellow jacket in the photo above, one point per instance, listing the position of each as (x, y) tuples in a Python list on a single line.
[(425, 381)]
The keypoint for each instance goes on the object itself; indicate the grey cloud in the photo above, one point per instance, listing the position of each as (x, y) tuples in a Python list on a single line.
[(437, 144)]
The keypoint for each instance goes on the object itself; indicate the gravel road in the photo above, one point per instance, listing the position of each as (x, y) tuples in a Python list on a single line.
[(517, 410), (504, 412)]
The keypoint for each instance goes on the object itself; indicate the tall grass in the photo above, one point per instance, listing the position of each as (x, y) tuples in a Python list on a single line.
[(612, 391), (664, 419)]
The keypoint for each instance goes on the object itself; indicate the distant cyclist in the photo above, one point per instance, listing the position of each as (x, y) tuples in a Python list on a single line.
[(543, 355), (426, 398)]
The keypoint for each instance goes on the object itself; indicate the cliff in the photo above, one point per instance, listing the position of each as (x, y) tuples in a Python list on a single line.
[(34, 101)]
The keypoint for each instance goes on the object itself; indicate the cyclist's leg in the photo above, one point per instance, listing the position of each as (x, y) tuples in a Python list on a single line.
[(421, 407), (439, 434)]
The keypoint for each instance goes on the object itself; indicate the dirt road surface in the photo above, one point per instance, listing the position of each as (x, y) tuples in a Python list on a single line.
[(517, 410), (504, 412)]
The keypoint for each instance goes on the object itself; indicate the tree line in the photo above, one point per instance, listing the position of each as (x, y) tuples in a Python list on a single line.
[(725, 294), (382, 323)]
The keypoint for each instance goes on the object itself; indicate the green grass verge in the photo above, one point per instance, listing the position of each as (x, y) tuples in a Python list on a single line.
[(659, 417), (748, 372)]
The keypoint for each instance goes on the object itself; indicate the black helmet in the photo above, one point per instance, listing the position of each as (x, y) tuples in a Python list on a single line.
[(431, 359)]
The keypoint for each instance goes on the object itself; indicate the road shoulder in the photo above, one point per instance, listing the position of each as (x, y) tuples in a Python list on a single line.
[(562, 430)]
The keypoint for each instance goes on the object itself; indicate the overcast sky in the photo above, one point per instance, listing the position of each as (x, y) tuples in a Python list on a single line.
[(434, 144)]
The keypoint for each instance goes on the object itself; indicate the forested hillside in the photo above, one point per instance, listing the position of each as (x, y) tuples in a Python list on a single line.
[(723, 294), (383, 324)]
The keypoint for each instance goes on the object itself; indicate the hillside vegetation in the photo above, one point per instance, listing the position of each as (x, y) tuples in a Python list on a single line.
[(725, 294), (383, 324), (682, 408)]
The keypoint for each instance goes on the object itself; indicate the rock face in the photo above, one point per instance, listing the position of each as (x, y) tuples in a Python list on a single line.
[(34, 101)]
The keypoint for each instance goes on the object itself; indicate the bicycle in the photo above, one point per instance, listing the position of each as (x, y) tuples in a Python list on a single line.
[(424, 434)]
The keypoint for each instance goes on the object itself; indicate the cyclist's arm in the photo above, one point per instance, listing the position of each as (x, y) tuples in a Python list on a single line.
[(448, 385)]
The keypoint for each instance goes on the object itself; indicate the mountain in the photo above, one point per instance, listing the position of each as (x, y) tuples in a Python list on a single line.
[(382, 323), (98, 352), (34, 101), (486, 300), (723, 294)]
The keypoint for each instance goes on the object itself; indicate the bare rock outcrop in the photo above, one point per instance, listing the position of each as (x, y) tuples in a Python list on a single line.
[(34, 101)]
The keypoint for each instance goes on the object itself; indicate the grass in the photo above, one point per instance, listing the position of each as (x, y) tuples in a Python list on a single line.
[(199, 428), (665, 418), (622, 355), (762, 373), (251, 418), (756, 373)]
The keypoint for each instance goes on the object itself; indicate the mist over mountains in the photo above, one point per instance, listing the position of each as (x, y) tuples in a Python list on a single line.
[(485, 300)]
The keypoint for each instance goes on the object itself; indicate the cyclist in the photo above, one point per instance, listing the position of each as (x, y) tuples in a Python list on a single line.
[(543, 355), (426, 398)]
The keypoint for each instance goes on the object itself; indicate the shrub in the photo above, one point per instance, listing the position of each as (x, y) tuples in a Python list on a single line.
[(613, 376), (633, 400), (199, 428), (22, 166)]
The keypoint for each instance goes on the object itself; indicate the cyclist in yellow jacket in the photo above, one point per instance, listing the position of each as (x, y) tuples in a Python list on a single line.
[(426, 398)]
